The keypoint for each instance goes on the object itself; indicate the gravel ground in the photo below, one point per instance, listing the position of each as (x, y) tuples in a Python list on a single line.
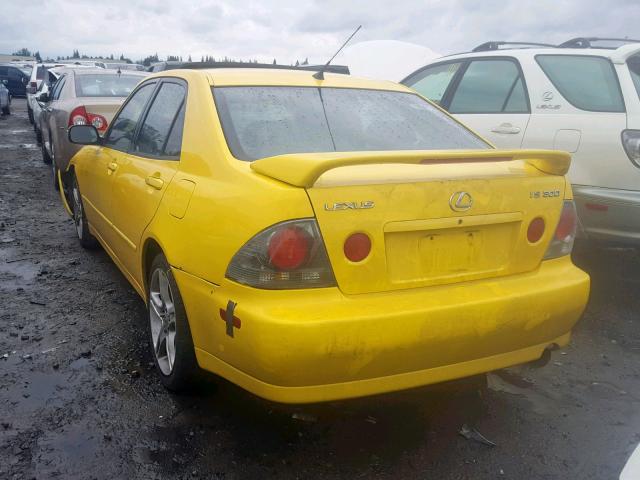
[(79, 397)]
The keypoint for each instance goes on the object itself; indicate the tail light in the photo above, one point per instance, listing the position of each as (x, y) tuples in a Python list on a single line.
[(562, 241), (80, 116), (631, 144), (287, 255)]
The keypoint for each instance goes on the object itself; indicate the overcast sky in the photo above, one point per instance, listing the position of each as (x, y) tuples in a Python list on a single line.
[(289, 30)]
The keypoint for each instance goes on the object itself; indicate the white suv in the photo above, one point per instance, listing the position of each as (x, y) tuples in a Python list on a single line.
[(582, 96)]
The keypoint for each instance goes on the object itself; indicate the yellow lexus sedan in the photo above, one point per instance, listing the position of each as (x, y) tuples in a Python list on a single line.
[(313, 239)]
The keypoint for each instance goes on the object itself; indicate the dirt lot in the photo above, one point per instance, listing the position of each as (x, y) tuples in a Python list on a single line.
[(80, 400)]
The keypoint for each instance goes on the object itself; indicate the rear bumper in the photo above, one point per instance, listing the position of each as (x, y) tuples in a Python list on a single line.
[(318, 345), (608, 214)]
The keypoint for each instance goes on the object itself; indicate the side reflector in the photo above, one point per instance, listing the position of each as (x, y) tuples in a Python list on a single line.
[(357, 247), (598, 207), (535, 230)]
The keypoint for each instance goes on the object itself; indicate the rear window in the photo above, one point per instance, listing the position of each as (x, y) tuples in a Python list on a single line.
[(588, 83), (261, 122), (105, 85)]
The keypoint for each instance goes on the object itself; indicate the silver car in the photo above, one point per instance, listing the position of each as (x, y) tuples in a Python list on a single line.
[(80, 97), (5, 99)]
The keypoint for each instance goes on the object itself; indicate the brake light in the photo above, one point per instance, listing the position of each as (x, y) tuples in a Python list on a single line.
[(80, 116), (631, 144), (285, 256), (565, 234), (288, 248)]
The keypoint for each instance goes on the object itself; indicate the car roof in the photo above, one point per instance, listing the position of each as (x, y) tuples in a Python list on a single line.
[(107, 71), (279, 77), (533, 51)]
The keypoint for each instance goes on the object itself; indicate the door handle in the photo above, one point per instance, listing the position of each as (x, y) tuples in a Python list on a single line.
[(154, 182), (506, 128), (112, 166)]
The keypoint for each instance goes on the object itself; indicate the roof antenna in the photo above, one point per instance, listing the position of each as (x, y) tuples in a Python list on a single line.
[(319, 75)]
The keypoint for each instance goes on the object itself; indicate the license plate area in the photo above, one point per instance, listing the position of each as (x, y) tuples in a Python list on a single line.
[(449, 250)]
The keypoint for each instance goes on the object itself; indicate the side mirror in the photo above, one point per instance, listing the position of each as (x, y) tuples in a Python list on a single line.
[(84, 135), (43, 97)]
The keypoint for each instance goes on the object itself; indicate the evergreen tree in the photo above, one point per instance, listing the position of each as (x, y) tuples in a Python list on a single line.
[(189, 58), (306, 61), (274, 61), (38, 57)]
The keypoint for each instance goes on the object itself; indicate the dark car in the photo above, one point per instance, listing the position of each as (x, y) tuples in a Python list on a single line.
[(17, 80)]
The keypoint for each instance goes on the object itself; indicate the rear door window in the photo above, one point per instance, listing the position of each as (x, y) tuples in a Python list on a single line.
[(433, 82), (586, 82), (162, 116), (55, 94), (123, 126), (490, 86)]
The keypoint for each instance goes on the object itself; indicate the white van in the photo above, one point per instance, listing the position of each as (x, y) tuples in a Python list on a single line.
[(582, 96)]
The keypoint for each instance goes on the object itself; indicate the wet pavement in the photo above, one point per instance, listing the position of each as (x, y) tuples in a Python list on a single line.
[(79, 398)]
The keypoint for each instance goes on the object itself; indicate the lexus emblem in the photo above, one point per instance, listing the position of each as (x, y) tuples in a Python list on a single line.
[(461, 201)]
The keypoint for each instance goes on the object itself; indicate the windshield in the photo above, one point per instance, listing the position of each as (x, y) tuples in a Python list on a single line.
[(105, 85), (261, 122)]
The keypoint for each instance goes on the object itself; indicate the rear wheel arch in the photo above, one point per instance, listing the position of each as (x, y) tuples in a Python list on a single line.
[(151, 248)]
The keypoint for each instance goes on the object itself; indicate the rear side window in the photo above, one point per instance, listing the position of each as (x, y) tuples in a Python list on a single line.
[(490, 86), (55, 94), (41, 70), (634, 68), (587, 83), (159, 122), (432, 82), (123, 127)]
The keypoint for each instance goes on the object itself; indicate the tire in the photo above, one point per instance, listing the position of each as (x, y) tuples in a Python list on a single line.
[(80, 219), (30, 114), (168, 325), (45, 155), (54, 168), (6, 110)]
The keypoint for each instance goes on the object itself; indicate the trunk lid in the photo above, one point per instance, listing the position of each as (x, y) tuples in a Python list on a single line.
[(433, 218)]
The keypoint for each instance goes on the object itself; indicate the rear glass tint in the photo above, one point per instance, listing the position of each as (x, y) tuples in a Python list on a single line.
[(261, 122), (588, 83), (105, 85)]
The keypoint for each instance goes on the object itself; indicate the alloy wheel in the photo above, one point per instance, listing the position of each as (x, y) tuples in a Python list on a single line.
[(162, 316)]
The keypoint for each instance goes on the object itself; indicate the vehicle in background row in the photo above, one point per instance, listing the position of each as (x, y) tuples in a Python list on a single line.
[(5, 98), (312, 236), (36, 107), (123, 66), (80, 96), (582, 97), (17, 79), (38, 75)]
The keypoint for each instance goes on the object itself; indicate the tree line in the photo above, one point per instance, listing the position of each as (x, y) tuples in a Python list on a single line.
[(146, 61)]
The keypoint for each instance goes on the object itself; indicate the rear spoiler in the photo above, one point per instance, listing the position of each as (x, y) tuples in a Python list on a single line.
[(302, 170)]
